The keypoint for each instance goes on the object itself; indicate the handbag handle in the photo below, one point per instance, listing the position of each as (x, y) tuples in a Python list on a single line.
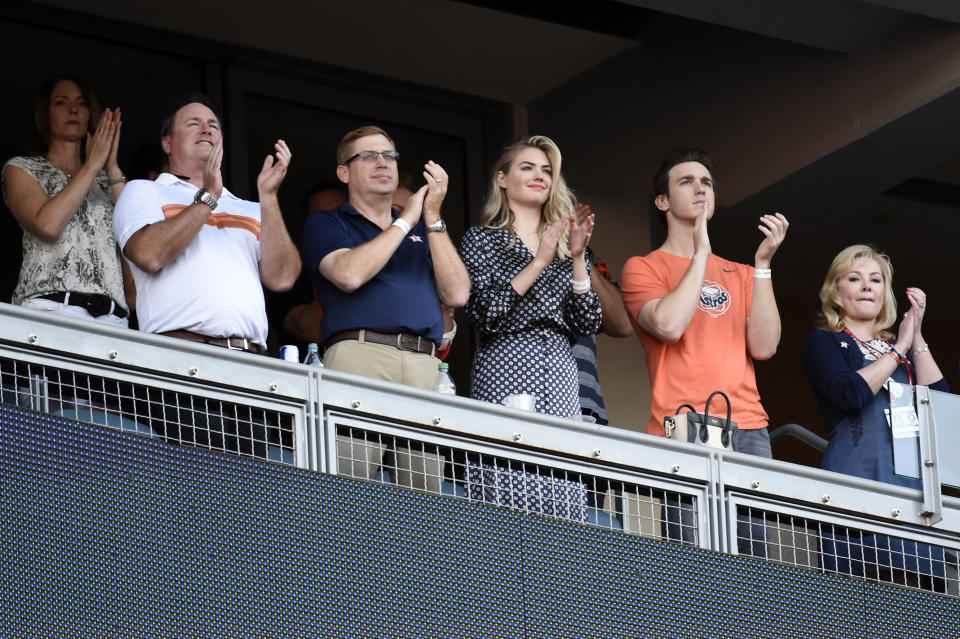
[(691, 429), (725, 436)]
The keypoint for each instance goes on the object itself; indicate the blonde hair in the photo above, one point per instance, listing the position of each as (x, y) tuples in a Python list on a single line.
[(560, 201), (345, 148), (831, 308)]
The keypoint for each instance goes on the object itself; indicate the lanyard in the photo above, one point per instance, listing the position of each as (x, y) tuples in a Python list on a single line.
[(879, 354)]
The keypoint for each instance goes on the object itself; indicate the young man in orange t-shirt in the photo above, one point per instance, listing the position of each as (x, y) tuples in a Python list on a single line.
[(703, 319)]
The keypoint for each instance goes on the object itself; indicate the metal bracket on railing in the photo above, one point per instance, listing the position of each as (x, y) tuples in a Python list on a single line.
[(929, 471), (803, 434)]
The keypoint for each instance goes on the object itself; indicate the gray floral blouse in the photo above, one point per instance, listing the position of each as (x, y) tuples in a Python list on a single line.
[(85, 258)]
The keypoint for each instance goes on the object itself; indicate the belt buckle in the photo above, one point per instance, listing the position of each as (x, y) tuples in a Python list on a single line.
[(231, 347), (97, 305), (415, 349)]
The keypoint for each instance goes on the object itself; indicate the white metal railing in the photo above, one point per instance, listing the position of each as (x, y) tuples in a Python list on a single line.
[(327, 421)]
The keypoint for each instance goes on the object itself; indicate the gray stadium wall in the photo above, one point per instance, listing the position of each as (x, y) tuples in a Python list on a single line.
[(107, 534)]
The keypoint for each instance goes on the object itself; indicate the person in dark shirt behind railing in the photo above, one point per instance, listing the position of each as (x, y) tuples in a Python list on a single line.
[(850, 362), (378, 272), (615, 323), (304, 321), (381, 275)]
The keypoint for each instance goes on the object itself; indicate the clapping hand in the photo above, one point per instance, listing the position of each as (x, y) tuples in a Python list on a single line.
[(103, 143), (415, 206), (906, 332), (437, 182), (547, 248), (581, 228), (112, 166), (273, 172), (212, 177), (701, 239), (918, 306), (774, 227)]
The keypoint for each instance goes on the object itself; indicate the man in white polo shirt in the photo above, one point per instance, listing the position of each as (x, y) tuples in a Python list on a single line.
[(199, 253)]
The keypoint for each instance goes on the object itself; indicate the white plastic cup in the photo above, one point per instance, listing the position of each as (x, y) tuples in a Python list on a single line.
[(523, 401), (290, 353)]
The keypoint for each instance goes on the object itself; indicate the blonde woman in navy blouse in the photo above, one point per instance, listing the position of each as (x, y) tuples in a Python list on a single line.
[(848, 363), (850, 358)]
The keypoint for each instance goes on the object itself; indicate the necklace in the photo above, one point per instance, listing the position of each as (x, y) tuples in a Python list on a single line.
[(59, 168), (877, 353), (531, 246)]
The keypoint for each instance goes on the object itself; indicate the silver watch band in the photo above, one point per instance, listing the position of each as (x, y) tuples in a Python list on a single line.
[(204, 196)]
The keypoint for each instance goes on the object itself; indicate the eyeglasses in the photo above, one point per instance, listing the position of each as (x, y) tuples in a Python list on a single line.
[(371, 156)]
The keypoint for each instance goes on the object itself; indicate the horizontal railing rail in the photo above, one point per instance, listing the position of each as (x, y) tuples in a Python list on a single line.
[(334, 422)]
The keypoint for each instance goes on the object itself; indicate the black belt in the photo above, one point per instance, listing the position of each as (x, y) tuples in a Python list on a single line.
[(96, 305), (233, 343), (403, 341)]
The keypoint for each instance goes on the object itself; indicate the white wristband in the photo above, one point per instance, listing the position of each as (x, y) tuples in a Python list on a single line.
[(402, 224), (923, 349), (580, 285), (762, 273)]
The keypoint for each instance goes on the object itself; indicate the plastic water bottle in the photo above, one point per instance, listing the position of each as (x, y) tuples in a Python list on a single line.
[(313, 356), (444, 383)]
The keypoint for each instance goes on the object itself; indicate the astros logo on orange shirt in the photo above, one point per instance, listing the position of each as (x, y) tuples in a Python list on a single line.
[(714, 299)]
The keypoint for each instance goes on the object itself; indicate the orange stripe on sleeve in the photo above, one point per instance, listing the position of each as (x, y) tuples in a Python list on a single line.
[(173, 210)]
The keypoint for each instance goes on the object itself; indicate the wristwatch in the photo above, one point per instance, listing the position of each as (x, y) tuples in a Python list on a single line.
[(437, 226), (203, 197)]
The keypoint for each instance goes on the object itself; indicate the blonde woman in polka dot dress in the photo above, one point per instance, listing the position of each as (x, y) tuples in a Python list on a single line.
[(531, 294)]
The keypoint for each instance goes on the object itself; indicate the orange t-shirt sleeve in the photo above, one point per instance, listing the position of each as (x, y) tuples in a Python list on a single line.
[(641, 283)]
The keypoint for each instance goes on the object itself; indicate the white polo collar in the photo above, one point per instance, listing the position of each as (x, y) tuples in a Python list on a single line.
[(169, 179)]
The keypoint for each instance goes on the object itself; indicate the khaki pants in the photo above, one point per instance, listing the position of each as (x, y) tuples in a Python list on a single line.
[(418, 466), (383, 362)]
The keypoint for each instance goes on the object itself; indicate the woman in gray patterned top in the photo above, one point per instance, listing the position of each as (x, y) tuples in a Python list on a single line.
[(63, 201)]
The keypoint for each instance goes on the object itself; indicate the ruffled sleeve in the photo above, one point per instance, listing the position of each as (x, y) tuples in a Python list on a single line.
[(492, 296), (581, 312)]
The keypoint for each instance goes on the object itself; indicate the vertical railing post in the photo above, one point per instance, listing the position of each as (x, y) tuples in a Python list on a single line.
[(929, 464)]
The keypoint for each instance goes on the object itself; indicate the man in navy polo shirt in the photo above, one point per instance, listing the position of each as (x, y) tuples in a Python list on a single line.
[(380, 274)]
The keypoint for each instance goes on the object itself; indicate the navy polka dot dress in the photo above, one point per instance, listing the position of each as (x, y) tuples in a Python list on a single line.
[(525, 340)]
